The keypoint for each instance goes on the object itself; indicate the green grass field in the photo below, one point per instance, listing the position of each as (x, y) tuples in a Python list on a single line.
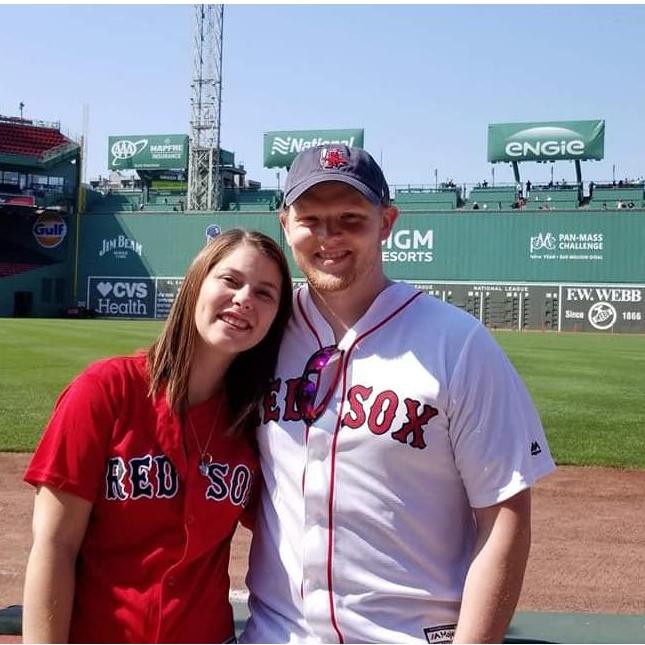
[(587, 387)]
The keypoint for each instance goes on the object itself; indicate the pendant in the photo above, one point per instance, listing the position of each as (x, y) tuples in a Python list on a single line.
[(204, 463)]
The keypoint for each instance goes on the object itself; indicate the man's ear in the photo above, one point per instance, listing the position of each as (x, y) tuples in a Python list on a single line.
[(389, 215), (284, 217)]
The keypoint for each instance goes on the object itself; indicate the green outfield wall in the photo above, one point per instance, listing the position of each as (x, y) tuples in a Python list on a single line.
[(580, 247), (581, 270)]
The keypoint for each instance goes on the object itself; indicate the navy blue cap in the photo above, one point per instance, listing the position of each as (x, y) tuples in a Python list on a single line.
[(332, 162)]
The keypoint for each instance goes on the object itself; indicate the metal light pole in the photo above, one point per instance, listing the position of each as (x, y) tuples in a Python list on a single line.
[(204, 185)]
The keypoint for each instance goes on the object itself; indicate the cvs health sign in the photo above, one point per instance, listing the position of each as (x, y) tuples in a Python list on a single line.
[(117, 297)]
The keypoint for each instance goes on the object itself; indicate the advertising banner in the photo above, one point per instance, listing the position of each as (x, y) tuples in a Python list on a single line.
[(281, 148), (148, 151), (121, 297), (539, 248), (546, 141), (603, 308)]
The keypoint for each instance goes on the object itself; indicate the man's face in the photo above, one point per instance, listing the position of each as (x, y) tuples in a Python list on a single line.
[(335, 235)]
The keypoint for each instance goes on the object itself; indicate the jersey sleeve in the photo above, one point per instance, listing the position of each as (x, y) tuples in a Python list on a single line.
[(71, 454), (497, 437)]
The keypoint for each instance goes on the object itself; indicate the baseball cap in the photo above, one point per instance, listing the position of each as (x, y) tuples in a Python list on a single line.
[(352, 166)]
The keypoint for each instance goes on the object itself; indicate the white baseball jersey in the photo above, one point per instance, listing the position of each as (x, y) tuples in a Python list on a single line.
[(365, 527)]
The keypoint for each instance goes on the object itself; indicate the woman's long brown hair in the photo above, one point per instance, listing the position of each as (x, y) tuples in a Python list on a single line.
[(170, 356)]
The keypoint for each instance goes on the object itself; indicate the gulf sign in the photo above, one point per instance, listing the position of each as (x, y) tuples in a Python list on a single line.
[(49, 230)]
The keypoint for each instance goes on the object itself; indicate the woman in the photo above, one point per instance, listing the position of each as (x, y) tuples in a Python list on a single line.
[(147, 464)]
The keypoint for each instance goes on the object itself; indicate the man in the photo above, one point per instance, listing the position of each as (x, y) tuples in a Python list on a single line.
[(398, 443)]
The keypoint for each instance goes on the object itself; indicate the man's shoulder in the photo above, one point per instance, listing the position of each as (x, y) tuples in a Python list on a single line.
[(436, 313)]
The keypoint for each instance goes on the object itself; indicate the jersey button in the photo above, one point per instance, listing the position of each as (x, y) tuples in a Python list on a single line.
[(190, 519), (170, 582)]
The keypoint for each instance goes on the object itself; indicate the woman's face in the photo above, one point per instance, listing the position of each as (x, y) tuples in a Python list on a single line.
[(238, 301)]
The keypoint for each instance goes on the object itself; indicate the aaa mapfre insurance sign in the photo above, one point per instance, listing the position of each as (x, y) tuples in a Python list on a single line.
[(148, 151)]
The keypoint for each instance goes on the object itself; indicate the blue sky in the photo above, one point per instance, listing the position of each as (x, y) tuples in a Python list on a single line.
[(424, 81)]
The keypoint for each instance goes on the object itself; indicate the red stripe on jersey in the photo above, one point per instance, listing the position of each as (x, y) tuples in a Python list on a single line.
[(306, 319), (383, 322)]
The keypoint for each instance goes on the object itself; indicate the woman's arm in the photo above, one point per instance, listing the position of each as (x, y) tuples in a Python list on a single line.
[(59, 525)]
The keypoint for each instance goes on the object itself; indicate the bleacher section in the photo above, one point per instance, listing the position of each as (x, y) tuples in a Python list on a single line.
[(426, 199), (630, 196), (14, 268), (168, 201), (550, 198), (23, 140), (116, 202), (255, 201), (252, 200), (492, 198)]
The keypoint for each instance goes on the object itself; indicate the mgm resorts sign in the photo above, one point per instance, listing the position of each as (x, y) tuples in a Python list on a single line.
[(546, 141), (281, 148)]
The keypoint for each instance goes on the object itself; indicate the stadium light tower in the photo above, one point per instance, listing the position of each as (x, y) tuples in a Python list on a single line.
[(206, 103)]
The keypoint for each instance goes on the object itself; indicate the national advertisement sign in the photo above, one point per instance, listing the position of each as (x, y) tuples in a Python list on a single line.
[(546, 141), (282, 147), (148, 152)]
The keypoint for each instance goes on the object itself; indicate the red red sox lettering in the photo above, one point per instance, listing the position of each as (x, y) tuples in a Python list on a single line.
[(377, 412), (138, 479)]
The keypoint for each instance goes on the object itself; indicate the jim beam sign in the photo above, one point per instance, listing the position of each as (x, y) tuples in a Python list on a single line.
[(603, 308)]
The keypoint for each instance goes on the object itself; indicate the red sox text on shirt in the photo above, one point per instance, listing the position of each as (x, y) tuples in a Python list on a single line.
[(377, 410)]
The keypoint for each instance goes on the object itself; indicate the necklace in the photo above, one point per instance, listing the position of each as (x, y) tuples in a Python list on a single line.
[(205, 457)]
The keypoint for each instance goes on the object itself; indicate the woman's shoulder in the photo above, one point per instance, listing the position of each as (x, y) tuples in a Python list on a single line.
[(117, 371)]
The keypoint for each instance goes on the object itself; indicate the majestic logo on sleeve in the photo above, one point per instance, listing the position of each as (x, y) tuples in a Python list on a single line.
[(375, 410)]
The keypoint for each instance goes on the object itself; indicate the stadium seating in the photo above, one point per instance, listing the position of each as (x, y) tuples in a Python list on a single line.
[(545, 198), (116, 202), (493, 198), (29, 140), (167, 200), (14, 268), (158, 208), (612, 195), (426, 199), (251, 200)]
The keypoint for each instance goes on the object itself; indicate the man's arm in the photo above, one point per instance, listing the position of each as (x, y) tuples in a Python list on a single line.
[(494, 580), (59, 525)]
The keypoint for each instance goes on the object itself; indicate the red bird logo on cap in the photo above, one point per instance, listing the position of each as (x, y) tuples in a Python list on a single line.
[(333, 158)]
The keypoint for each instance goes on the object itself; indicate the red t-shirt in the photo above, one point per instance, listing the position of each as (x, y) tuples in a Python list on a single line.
[(153, 565)]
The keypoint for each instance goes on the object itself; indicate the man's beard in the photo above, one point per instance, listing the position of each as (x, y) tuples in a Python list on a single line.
[(325, 282), (334, 283)]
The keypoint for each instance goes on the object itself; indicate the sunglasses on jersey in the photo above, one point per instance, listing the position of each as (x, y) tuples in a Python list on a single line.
[(318, 382)]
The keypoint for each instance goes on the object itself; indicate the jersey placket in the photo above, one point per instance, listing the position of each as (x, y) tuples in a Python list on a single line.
[(321, 449), (318, 602)]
